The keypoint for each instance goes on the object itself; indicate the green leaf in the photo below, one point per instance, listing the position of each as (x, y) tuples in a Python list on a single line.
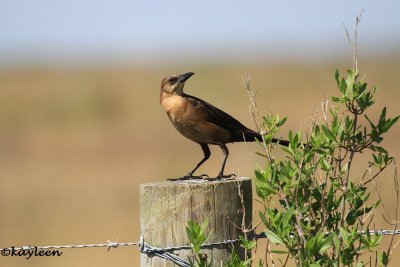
[(328, 133), (288, 215), (344, 236), (274, 238), (379, 149), (383, 115), (337, 77), (196, 234), (281, 122), (247, 244), (204, 226), (260, 176), (279, 251), (383, 258), (389, 123), (263, 218), (326, 243), (370, 122)]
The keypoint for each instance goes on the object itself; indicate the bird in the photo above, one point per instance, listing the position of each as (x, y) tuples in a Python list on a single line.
[(203, 123)]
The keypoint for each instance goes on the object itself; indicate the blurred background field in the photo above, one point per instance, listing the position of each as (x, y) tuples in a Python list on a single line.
[(76, 143), (80, 131)]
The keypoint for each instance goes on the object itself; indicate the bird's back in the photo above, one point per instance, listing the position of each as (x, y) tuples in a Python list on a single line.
[(238, 132)]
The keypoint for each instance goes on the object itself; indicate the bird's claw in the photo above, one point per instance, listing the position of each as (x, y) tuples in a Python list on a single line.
[(189, 176), (223, 176)]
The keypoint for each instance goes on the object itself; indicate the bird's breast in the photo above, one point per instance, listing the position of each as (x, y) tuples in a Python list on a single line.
[(176, 107), (192, 121)]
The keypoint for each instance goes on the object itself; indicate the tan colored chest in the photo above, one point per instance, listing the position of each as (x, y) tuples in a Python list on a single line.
[(177, 108)]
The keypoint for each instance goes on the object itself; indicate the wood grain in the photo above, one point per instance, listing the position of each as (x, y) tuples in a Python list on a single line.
[(166, 207)]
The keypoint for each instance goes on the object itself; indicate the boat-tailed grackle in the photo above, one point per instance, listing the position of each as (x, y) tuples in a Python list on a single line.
[(201, 122)]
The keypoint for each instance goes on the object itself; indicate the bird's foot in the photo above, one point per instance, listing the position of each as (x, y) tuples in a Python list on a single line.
[(223, 177), (189, 176)]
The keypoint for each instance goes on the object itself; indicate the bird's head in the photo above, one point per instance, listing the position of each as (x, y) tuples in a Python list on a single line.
[(174, 84)]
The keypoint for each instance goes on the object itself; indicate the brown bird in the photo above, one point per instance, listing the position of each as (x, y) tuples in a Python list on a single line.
[(201, 122)]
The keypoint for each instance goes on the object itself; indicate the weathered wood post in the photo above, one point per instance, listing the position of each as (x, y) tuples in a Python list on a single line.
[(166, 207)]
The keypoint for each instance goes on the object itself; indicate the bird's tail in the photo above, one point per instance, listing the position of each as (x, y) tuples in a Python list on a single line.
[(251, 136)]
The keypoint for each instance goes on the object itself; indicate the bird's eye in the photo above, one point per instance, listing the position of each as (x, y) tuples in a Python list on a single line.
[(173, 80)]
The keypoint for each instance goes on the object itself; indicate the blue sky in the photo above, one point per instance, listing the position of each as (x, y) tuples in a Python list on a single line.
[(122, 30)]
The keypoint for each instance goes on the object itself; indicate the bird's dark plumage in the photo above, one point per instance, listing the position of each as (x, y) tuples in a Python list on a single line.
[(239, 132)]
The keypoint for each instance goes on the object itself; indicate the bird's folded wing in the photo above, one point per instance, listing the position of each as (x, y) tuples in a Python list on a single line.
[(216, 116)]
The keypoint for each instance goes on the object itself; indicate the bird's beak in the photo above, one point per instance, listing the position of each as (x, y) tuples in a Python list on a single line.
[(183, 77)]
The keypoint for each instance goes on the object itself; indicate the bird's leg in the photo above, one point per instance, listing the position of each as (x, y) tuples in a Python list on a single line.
[(225, 151), (207, 153)]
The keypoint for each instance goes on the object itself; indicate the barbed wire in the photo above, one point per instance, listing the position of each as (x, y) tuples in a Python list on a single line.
[(381, 232), (256, 236), (149, 249), (166, 252)]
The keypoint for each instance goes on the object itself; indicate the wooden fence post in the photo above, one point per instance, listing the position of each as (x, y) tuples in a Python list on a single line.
[(166, 207)]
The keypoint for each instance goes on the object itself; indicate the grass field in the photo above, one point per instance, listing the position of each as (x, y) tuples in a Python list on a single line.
[(76, 143)]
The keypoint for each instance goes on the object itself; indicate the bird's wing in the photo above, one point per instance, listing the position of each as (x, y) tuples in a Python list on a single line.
[(217, 116)]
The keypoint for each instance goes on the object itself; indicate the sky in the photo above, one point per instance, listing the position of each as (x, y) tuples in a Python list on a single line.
[(156, 31)]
